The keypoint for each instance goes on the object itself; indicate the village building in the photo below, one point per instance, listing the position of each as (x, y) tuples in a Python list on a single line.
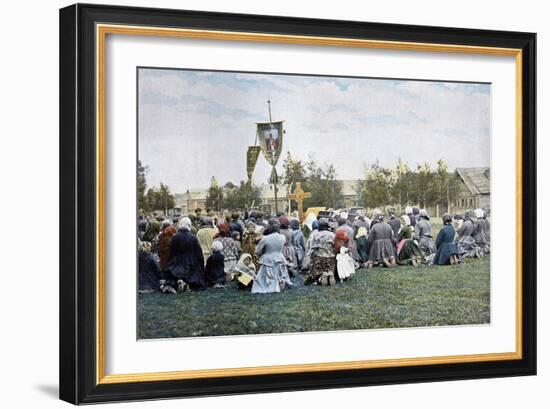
[(474, 188)]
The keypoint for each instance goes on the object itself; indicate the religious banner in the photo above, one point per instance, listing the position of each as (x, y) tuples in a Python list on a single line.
[(270, 137), (251, 158)]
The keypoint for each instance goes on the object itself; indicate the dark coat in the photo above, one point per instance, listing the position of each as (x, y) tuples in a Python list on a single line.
[(381, 242), (234, 225), (395, 225), (214, 271), (149, 271), (186, 260), (363, 249), (412, 219), (445, 243), (153, 228)]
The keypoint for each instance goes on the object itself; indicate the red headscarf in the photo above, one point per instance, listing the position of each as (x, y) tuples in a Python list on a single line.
[(224, 230)]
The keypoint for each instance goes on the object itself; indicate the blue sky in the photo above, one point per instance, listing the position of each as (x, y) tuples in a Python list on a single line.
[(197, 124)]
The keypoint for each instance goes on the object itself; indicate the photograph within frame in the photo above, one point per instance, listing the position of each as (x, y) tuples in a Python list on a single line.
[(322, 110)]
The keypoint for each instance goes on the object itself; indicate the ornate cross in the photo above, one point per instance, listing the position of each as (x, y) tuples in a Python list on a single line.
[(298, 196)]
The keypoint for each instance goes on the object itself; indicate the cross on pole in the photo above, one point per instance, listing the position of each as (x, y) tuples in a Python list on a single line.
[(298, 196)]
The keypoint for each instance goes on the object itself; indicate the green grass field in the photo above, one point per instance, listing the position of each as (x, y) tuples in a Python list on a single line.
[(375, 298)]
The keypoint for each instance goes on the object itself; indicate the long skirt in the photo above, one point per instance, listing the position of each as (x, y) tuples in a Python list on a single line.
[(271, 279), (444, 253), (406, 250), (320, 266), (289, 254), (186, 268), (467, 247), (427, 245), (381, 249)]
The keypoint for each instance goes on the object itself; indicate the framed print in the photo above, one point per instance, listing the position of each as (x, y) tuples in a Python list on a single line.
[(257, 203)]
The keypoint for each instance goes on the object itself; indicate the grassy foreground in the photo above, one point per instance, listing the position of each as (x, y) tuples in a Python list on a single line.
[(375, 298)]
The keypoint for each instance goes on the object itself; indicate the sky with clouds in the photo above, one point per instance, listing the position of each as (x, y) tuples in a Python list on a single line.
[(197, 124)]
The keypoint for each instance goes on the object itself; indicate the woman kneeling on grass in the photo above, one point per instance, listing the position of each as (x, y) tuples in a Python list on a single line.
[(272, 275), (466, 244), (186, 265), (214, 270), (447, 252), (321, 250), (423, 233), (408, 251), (381, 243)]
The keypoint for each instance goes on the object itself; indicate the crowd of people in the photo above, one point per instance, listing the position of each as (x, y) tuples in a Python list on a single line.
[(266, 254)]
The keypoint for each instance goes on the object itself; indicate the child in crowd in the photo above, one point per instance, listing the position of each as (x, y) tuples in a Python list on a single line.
[(214, 269), (245, 272)]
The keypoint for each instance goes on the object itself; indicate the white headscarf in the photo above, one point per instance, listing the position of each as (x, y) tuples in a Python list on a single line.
[(406, 220), (479, 213), (185, 223), (217, 245), (408, 210)]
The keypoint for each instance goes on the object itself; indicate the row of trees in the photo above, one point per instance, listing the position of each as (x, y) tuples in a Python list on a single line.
[(152, 198), (232, 196), (404, 186)]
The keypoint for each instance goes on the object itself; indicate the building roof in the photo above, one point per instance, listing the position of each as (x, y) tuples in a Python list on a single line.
[(478, 180)]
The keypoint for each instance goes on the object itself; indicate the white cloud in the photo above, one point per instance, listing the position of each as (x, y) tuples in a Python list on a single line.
[(194, 125)]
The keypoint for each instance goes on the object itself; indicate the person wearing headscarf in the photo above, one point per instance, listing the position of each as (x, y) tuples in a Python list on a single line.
[(345, 265), (409, 213), (466, 244), (376, 213), (408, 251), (423, 234), (245, 272), (206, 234), (272, 276), (360, 221), (229, 250), (214, 269), (447, 251), (362, 245), (289, 252), (394, 222), (186, 262), (152, 229), (482, 231), (381, 243), (341, 239), (148, 270), (298, 242), (164, 239), (321, 254)]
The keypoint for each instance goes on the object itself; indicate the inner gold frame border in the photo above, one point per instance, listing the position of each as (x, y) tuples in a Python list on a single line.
[(102, 30)]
